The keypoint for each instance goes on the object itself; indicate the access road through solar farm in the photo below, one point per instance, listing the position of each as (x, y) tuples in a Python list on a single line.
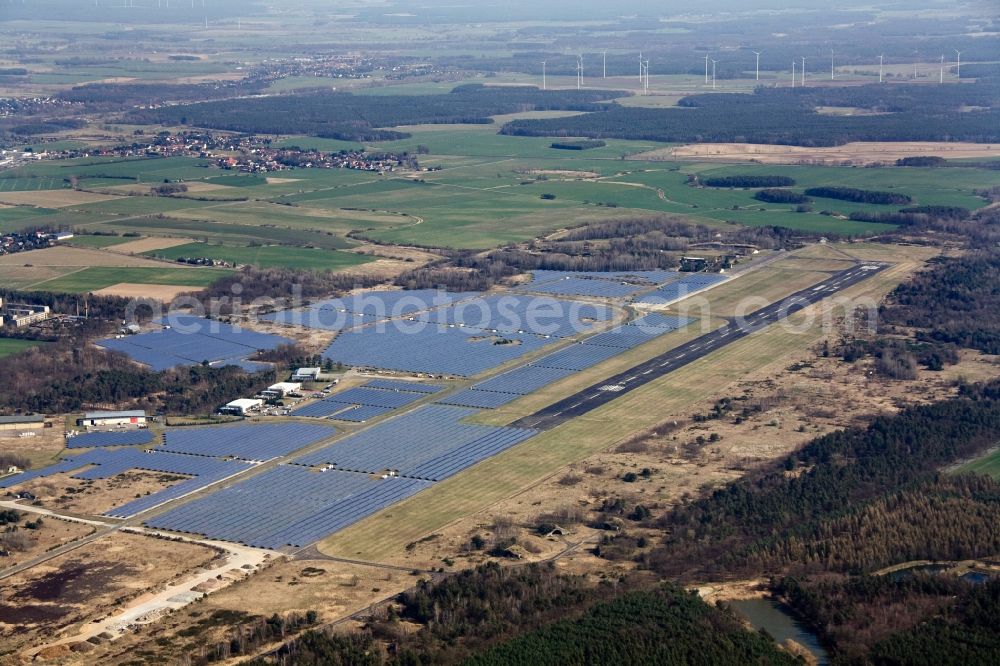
[(601, 393)]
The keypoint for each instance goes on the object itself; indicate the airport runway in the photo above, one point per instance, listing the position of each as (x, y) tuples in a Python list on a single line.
[(604, 392)]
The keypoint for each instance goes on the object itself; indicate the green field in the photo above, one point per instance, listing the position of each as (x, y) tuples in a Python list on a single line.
[(988, 465), (484, 190), (267, 256), (10, 346), (99, 277)]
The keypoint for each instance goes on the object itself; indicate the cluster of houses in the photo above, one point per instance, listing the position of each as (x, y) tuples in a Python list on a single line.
[(22, 241), (271, 395), (247, 153)]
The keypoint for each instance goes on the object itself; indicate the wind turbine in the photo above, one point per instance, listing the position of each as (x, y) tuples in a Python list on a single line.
[(706, 70), (640, 68), (942, 69), (605, 64), (958, 63), (793, 73), (757, 53), (543, 75), (916, 59), (579, 71), (646, 82), (803, 72), (832, 68), (713, 74), (881, 61)]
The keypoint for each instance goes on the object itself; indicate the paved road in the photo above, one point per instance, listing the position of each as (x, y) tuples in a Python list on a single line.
[(604, 392)]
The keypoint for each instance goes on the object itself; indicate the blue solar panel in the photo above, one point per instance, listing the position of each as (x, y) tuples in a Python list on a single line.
[(400, 385), (577, 286), (522, 314), (386, 304), (523, 380), (93, 439), (681, 288), (328, 319), (360, 413), (246, 441), (577, 357), (405, 442), (479, 399), (193, 340), (287, 505), (423, 347)]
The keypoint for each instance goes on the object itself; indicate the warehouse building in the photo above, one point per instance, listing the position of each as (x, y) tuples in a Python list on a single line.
[(306, 375), (21, 422), (280, 390), (135, 417), (242, 406)]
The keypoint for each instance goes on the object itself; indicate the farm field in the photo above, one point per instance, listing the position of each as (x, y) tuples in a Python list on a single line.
[(10, 346), (266, 257), (98, 242), (95, 278), (486, 190)]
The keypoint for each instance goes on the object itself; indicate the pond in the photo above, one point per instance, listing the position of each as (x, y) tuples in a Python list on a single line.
[(780, 623)]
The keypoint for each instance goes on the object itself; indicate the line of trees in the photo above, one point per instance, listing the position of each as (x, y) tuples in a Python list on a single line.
[(780, 196), (857, 195), (746, 180), (788, 116), (359, 117)]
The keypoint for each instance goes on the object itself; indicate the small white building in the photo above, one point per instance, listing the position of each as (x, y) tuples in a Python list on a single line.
[(280, 390), (306, 375), (135, 417), (242, 406)]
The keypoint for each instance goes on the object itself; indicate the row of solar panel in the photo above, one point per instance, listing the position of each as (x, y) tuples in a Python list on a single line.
[(538, 315), (677, 290), (288, 506), (94, 439), (256, 442), (367, 401), (419, 443), (106, 463), (432, 350), (193, 340), (502, 389), (338, 314)]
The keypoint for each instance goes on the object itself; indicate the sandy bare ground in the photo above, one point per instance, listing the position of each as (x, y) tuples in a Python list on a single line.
[(859, 152), (162, 292), (53, 198), (149, 244), (63, 256)]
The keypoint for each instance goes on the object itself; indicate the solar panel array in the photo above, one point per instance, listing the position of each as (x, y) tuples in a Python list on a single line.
[(95, 439), (255, 442), (601, 284), (366, 307), (429, 348), (288, 505), (111, 462), (193, 340), (430, 442), (521, 314), (364, 402), (676, 290), (507, 387)]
